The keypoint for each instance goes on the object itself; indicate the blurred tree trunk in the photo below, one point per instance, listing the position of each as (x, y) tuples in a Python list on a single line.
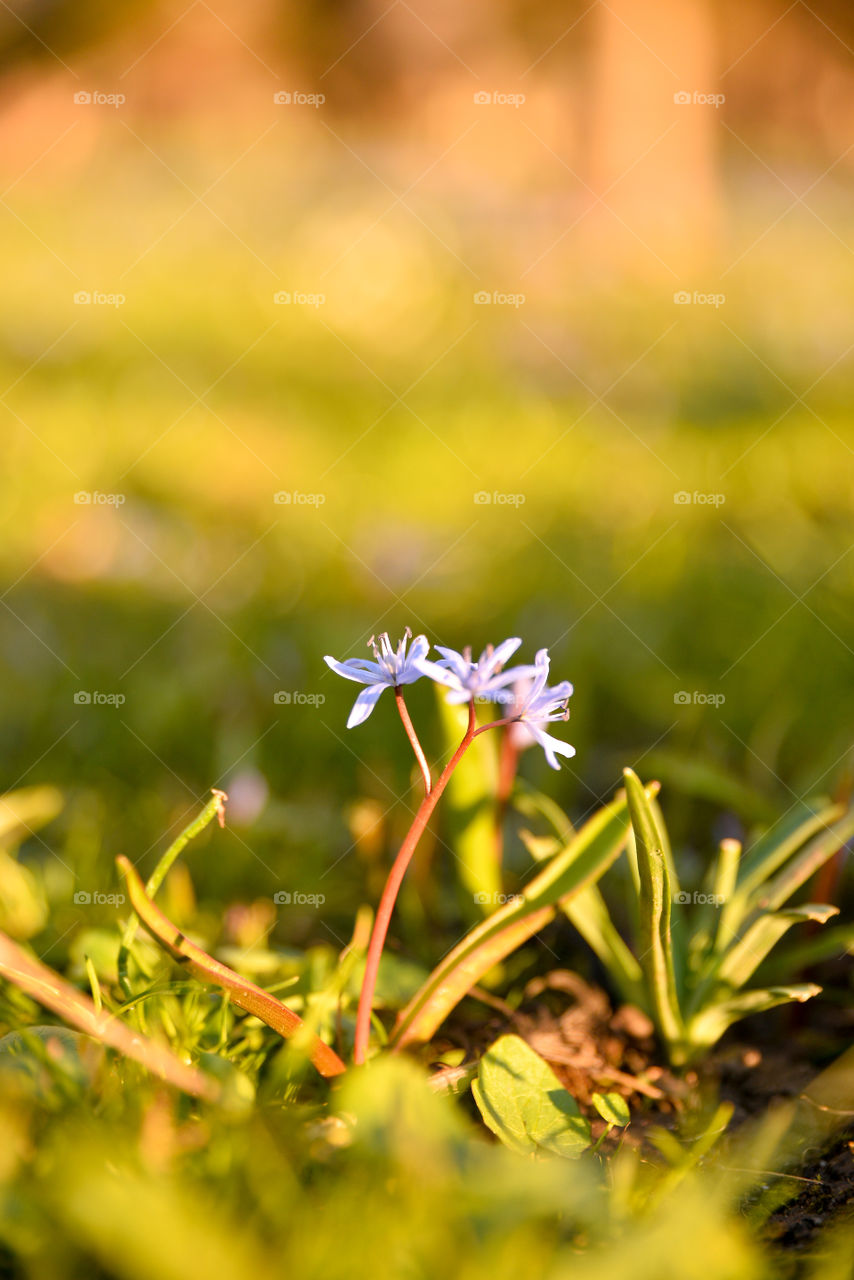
[(654, 160)]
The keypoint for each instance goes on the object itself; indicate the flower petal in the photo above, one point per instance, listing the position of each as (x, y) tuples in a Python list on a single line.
[(359, 669), (499, 656), (364, 705), (435, 671), (551, 745), (419, 649), (459, 664)]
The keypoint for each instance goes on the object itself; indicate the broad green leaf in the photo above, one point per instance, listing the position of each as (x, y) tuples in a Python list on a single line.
[(470, 813), (525, 1105), (613, 1108), (584, 859), (654, 910)]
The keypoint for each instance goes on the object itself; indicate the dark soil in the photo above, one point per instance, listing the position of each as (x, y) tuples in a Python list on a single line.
[(593, 1047)]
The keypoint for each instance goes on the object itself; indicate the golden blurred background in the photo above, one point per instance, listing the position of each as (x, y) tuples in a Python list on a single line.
[(517, 319)]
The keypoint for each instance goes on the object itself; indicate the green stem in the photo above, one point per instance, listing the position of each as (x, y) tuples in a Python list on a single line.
[(215, 807)]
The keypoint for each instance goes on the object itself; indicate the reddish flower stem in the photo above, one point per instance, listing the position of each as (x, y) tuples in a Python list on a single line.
[(413, 738), (392, 888)]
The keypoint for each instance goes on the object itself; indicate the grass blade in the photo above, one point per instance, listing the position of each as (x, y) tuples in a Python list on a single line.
[(240, 991), (589, 913), (52, 991)]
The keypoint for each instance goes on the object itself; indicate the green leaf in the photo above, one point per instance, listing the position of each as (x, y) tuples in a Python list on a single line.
[(766, 857), (589, 913), (23, 907), (707, 1027), (533, 804), (470, 811), (584, 859), (613, 1108), (805, 865), (23, 811), (524, 1104), (746, 955), (654, 910)]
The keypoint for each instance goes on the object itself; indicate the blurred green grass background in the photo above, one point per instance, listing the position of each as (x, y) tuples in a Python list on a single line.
[(395, 403)]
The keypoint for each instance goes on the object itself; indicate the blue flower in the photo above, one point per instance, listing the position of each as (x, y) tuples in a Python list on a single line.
[(483, 679), (391, 669), (539, 705)]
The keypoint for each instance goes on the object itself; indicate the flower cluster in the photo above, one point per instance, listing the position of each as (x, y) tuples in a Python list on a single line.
[(530, 704)]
